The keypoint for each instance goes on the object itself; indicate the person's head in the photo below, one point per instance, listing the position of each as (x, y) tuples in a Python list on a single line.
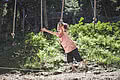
[(62, 25)]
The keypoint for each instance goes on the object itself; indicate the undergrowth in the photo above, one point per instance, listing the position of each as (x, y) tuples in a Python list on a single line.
[(100, 43)]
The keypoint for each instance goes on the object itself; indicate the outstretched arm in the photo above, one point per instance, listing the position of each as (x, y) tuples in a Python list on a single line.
[(48, 31)]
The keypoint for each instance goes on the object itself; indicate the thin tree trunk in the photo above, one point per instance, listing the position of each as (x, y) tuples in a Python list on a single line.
[(0, 26), (23, 21), (36, 19), (35, 28), (45, 14), (0, 23)]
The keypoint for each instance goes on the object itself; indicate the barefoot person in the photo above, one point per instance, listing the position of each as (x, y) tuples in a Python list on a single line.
[(68, 45)]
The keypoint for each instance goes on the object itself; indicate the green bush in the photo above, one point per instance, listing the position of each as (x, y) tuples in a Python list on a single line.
[(45, 52), (99, 43)]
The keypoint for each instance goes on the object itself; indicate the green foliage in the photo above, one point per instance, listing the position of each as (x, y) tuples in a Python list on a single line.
[(72, 9), (71, 5), (101, 44), (46, 54), (99, 28)]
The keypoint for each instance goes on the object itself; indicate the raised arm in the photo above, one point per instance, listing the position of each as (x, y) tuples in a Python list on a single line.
[(48, 31)]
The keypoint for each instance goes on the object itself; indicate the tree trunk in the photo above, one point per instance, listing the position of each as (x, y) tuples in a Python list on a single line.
[(45, 14), (0, 24), (23, 21), (36, 29), (1, 20)]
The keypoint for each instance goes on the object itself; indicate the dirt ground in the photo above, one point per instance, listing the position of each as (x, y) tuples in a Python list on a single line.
[(61, 76), (92, 71)]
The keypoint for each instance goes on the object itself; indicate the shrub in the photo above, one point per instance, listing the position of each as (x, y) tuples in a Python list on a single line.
[(45, 52), (100, 44)]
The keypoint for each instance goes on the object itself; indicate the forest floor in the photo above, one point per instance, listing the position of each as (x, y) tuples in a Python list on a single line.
[(93, 71)]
